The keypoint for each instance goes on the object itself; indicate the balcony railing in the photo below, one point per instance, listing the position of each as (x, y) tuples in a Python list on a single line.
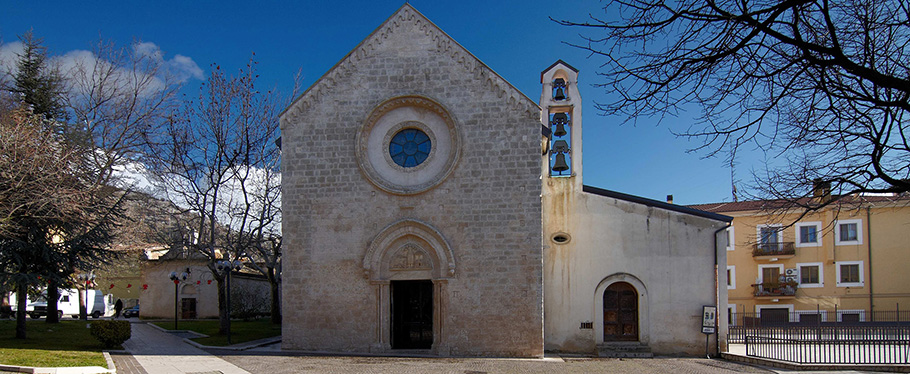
[(775, 289), (774, 249)]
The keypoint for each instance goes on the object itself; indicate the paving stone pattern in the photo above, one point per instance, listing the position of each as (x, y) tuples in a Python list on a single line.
[(284, 364)]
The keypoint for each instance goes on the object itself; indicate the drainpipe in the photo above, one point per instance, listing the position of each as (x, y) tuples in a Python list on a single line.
[(869, 247), (717, 290)]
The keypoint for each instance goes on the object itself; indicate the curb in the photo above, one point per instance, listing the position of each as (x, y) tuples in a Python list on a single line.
[(60, 370), (896, 368), (110, 362), (235, 347)]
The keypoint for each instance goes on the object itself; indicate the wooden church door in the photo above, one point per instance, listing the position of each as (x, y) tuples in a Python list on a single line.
[(620, 312)]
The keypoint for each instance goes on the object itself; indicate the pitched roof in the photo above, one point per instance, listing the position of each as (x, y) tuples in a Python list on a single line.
[(560, 61), (742, 206), (445, 44), (657, 204)]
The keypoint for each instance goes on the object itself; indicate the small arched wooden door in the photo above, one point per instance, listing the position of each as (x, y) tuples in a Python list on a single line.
[(620, 312)]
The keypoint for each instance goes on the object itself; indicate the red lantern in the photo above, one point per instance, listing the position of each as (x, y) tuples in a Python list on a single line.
[(210, 281), (145, 286), (128, 285), (198, 282)]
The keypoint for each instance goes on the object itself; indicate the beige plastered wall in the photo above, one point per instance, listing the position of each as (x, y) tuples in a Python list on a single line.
[(885, 231)]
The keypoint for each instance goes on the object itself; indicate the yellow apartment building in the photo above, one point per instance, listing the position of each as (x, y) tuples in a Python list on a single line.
[(847, 262)]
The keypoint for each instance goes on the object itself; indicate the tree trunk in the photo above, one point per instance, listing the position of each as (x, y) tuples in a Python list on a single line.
[(276, 305), (82, 312), (223, 316), (53, 294), (21, 300)]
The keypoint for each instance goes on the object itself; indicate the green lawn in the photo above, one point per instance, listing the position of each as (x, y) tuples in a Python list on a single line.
[(67, 343), (241, 331)]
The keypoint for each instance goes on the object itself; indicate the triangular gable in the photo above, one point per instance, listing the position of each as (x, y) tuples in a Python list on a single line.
[(558, 62), (407, 15)]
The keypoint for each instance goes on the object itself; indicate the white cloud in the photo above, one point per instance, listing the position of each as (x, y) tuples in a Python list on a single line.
[(180, 66), (85, 67), (185, 67), (9, 54), (178, 69)]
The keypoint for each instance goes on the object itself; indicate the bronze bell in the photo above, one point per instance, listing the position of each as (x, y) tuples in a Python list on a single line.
[(560, 85), (560, 94), (560, 118), (560, 146), (560, 164), (560, 130)]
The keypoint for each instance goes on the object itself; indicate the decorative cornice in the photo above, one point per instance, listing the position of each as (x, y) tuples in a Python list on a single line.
[(408, 16)]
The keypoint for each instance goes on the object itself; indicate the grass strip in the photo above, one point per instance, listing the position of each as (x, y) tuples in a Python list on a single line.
[(241, 331), (64, 344)]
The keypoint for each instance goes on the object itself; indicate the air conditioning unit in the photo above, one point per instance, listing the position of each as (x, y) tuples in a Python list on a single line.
[(790, 272)]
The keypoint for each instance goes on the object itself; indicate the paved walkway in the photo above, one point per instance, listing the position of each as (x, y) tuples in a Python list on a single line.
[(159, 352), (152, 351)]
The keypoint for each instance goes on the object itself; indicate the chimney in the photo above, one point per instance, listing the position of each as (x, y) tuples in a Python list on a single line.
[(669, 199), (821, 190)]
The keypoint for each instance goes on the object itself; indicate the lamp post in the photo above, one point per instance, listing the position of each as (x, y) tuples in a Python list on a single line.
[(85, 279), (226, 267), (174, 277)]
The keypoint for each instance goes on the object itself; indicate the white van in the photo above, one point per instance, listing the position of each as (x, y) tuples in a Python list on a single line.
[(29, 304), (99, 304)]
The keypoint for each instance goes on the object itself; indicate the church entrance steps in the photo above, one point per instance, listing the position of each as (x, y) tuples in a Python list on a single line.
[(624, 350)]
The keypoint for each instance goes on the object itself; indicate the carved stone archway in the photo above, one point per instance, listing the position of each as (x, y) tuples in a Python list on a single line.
[(408, 250)]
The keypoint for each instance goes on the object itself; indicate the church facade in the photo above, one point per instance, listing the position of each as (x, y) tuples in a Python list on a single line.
[(431, 207)]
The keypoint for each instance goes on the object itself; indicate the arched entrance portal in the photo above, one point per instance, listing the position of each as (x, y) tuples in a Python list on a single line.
[(620, 312), (409, 264)]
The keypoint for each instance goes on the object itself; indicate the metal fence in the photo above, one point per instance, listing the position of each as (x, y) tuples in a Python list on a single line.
[(840, 351), (817, 317), (838, 337)]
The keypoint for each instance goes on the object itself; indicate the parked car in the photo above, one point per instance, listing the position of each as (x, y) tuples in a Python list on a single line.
[(131, 312)]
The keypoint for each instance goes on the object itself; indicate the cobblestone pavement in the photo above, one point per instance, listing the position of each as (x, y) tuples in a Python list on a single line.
[(126, 363), (274, 364)]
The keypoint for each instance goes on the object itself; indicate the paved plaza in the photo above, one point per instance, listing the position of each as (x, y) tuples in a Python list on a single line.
[(152, 351)]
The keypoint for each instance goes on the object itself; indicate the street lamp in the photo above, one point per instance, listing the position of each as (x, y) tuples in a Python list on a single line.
[(226, 267), (85, 280), (174, 277)]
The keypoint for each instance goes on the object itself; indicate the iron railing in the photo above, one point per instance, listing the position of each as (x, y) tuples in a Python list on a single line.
[(818, 317), (851, 345), (824, 337), (773, 249), (774, 289)]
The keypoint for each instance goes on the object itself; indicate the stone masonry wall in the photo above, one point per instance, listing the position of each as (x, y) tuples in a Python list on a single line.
[(488, 208)]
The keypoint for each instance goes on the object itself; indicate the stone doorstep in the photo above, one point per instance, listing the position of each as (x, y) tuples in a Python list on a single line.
[(624, 350), (894, 368), (65, 370)]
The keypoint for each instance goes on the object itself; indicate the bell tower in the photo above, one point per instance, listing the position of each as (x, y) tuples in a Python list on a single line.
[(560, 115)]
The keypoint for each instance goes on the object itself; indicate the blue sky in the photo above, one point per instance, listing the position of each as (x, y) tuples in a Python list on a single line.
[(514, 38)]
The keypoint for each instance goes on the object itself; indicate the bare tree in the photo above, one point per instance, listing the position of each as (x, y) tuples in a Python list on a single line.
[(217, 160), (115, 96), (823, 85), (51, 221)]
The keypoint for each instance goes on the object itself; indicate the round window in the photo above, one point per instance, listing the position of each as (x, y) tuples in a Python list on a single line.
[(410, 147)]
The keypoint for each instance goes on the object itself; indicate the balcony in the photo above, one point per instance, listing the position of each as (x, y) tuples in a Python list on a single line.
[(775, 289), (779, 250)]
